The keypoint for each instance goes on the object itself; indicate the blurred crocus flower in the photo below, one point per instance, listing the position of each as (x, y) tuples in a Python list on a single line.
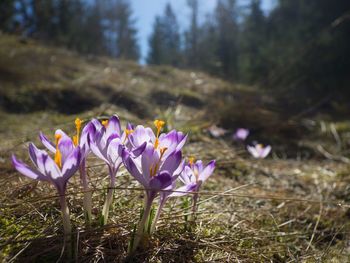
[(56, 171), (106, 144), (154, 169), (216, 131), (193, 176), (241, 134), (258, 151), (81, 139)]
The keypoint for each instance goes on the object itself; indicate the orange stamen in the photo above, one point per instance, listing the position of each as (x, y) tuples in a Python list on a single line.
[(76, 137), (153, 169), (127, 133), (58, 156), (105, 123), (159, 125)]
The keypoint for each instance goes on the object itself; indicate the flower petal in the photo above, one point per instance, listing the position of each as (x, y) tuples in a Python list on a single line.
[(60, 132), (26, 170), (182, 140), (160, 181), (149, 158), (132, 168), (96, 150), (198, 166), (184, 190), (37, 157), (139, 150), (141, 135), (187, 175), (71, 165), (97, 124), (265, 152), (172, 162), (112, 137), (87, 134), (207, 171), (66, 146), (113, 126), (47, 143), (51, 168), (253, 151), (98, 145), (113, 151), (130, 126)]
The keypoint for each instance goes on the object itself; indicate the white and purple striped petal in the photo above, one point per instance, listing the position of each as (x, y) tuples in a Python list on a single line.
[(26, 170), (258, 151)]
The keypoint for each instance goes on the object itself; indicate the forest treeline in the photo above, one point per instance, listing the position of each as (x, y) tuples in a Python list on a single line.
[(300, 47)]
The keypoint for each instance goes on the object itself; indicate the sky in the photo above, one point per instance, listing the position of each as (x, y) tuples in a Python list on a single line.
[(146, 10)]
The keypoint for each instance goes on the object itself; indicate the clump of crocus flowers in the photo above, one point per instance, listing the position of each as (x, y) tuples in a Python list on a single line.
[(154, 159)]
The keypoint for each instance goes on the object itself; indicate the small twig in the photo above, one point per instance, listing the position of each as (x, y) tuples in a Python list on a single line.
[(331, 156), (316, 225), (336, 136)]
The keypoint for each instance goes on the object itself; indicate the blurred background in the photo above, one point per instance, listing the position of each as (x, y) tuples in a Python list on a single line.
[(281, 44)]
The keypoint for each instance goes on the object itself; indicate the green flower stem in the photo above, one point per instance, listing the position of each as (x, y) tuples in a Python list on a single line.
[(67, 227), (87, 201), (109, 198), (142, 224)]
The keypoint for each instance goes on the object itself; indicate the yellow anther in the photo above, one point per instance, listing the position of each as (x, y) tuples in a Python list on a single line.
[(57, 138), (105, 123), (76, 137), (154, 168), (78, 123), (159, 125), (156, 143), (58, 156), (128, 132), (162, 151), (191, 160), (260, 146), (75, 140)]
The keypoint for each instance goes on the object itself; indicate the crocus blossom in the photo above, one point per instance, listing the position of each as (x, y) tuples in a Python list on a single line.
[(81, 139), (216, 131), (56, 171), (154, 169), (192, 177), (105, 144), (241, 134), (258, 151), (154, 159), (172, 141)]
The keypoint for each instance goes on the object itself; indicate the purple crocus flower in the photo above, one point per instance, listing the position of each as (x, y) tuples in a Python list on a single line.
[(216, 131), (192, 177), (106, 144), (154, 169), (258, 151), (82, 138), (57, 171), (172, 141), (241, 134)]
